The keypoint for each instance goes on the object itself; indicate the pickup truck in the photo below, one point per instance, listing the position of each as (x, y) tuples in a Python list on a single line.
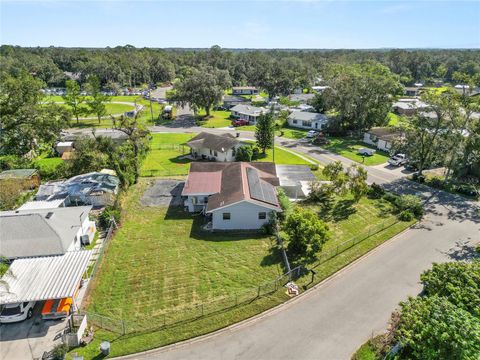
[(398, 160)]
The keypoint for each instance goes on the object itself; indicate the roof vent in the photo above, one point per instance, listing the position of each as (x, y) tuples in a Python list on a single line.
[(49, 215)]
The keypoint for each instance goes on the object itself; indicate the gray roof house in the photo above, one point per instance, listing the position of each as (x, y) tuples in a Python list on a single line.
[(244, 90), (232, 100), (301, 98), (247, 112), (95, 188), (44, 232), (214, 147), (307, 120)]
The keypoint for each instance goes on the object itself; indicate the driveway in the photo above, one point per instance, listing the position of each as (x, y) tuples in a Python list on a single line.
[(331, 321), (29, 339)]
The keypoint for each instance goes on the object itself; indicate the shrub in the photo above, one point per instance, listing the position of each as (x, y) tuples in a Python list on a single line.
[(418, 178), (411, 203), (436, 182), (466, 189), (244, 153), (406, 215), (107, 214), (392, 198), (375, 191), (8, 162), (59, 351)]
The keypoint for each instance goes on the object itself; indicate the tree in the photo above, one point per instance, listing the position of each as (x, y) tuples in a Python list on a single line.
[(201, 88), (265, 131), (74, 99), (137, 143), (361, 94), (306, 233), (97, 100), (459, 282), (87, 157), (432, 328), (26, 121), (319, 103), (357, 181), (335, 173), (244, 153)]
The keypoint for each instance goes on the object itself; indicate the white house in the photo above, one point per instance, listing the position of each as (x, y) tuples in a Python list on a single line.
[(235, 196), (64, 146), (44, 232), (382, 137), (214, 147), (307, 120), (409, 107), (247, 112), (244, 90)]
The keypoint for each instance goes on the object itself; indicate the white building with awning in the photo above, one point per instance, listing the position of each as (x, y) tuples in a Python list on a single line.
[(44, 278)]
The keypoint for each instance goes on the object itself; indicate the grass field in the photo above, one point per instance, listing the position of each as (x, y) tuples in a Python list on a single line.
[(166, 156), (218, 119), (289, 133), (161, 262), (112, 109), (348, 147)]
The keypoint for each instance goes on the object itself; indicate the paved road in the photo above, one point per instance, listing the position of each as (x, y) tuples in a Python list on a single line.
[(333, 320)]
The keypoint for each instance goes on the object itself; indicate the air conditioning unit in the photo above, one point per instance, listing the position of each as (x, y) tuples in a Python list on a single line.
[(85, 240)]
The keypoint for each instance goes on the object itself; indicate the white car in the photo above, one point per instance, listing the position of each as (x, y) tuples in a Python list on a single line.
[(16, 312), (398, 160), (366, 152), (312, 133)]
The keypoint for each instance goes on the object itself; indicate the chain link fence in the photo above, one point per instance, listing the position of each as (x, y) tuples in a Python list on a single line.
[(166, 318)]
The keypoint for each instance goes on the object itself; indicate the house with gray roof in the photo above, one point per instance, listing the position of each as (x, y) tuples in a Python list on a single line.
[(230, 101), (307, 120), (44, 232), (244, 90), (214, 147), (301, 98), (247, 112)]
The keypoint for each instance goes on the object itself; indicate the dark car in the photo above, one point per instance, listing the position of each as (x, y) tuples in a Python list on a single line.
[(240, 122)]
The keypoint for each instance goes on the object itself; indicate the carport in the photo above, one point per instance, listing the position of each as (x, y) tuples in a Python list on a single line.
[(44, 278), (295, 180)]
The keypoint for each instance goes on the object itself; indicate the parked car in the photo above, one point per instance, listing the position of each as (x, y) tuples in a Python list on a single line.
[(312, 134), (16, 312), (366, 152), (240, 122), (397, 160)]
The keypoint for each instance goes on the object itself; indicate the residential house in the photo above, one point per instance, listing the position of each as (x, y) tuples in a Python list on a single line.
[(409, 107), (95, 188), (307, 120), (301, 98), (247, 112), (230, 101), (116, 136), (209, 146), (244, 90), (382, 137), (234, 196), (412, 91), (44, 232)]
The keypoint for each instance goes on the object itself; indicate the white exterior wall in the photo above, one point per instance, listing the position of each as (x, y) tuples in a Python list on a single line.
[(88, 228), (243, 216), (368, 140), (221, 156), (250, 118), (384, 145), (195, 203), (315, 125)]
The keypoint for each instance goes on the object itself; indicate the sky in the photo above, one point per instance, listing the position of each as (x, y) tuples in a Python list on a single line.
[(242, 24)]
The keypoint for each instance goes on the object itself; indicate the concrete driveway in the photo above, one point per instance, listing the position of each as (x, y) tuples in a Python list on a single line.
[(29, 339), (331, 321)]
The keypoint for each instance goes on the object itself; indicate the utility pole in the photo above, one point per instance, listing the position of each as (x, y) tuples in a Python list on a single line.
[(150, 98)]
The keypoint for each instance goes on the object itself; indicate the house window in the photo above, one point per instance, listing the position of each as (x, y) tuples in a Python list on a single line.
[(210, 151), (262, 215), (294, 121), (226, 216), (234, 151), (306, 123), (216, 153), (205, 200)]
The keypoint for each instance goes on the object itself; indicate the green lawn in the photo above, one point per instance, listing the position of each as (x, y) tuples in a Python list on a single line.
[(111, 108), (160, 263), (217, 119), (167, 156), (348, 147), (365, 352), (292, 133), (48, 164)]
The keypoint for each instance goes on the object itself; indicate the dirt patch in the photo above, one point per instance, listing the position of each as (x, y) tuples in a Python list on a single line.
[(163, 193)]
